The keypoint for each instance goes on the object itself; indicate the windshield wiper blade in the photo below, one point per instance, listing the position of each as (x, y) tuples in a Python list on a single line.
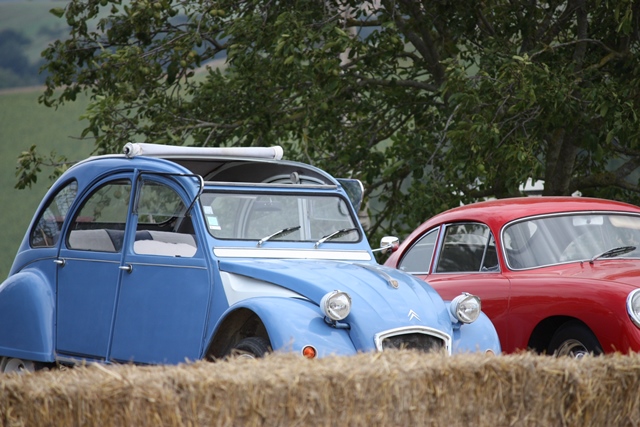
[(334, 235), (278, 233), (612, 253)]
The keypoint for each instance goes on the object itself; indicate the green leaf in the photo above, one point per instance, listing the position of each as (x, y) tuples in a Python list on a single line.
[(57, 11)]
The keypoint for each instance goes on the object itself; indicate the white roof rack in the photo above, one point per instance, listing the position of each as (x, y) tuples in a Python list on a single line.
[(167, 151)]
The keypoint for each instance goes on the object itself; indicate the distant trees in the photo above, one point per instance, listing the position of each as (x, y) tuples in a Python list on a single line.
[(430, 103), (15, 68)]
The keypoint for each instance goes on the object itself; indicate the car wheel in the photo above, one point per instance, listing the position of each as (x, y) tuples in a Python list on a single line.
[(575, 340), (251, 348), (11, 364)]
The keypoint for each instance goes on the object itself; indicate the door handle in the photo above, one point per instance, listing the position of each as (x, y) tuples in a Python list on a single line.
[(60, 262), (128, 268)]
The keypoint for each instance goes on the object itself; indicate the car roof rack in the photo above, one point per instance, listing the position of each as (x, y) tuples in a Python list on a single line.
[(133, 149)]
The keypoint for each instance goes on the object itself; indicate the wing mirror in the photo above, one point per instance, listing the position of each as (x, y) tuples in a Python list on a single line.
[(388, 243)]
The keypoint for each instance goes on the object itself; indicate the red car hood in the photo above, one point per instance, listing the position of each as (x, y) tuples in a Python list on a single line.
[(623, 271)]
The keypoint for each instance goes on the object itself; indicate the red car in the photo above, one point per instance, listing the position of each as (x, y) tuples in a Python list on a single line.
[(557, 275)]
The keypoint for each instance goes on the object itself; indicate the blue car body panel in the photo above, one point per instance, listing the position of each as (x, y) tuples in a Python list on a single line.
[(144, 260)]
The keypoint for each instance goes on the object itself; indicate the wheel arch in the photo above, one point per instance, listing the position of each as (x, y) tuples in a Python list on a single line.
[(288, 324), (543, 332), (237, 325), (27, 303)]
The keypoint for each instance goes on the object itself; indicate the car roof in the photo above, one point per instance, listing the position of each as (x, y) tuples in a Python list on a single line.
[(501, 211), (213, 164)]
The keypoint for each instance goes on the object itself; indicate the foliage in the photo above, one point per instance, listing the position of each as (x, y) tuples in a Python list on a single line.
[(429, 103)]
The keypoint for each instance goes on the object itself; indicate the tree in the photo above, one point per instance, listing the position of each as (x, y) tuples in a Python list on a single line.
[(429, 103)]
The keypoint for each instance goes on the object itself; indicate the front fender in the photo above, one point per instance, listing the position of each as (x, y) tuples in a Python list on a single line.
[(479, 336), (293, 323), (27, 310)]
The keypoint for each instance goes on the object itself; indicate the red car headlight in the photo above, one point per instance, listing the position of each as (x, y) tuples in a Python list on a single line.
[(633, 306)]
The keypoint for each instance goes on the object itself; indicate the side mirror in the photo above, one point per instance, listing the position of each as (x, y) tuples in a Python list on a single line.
[(388, 243)]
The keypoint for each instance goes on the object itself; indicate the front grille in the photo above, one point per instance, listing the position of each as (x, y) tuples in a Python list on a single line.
[(414, 338)]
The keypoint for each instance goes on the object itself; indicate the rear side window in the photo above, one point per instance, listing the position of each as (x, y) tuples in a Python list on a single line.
[(46, 233)]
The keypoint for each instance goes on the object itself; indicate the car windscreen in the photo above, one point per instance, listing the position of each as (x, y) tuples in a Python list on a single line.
[(279, 217), (571, 237)]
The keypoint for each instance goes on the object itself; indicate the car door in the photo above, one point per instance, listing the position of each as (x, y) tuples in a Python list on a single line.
[(462, 257), (88, 270), (165, 290)]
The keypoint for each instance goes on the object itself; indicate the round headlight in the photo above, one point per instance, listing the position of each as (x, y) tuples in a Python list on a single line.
[(336, 305), (633, 306), (466, 308)]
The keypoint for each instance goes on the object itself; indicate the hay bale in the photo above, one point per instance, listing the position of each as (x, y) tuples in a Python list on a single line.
[(390, 388)]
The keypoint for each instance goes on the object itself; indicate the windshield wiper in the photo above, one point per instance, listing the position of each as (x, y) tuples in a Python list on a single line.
[(334, 235), (278, 233), (612, 253)]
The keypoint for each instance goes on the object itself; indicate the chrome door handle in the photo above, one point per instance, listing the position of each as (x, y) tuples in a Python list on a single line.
[(128, 268), (60, 262)]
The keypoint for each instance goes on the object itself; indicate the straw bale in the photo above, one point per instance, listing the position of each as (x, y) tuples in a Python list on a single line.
[(395, 388)]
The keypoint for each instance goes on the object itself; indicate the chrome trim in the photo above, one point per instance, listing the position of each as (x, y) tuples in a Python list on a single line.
[(375, 269), (634, 317), (291, 254), (380, 336)]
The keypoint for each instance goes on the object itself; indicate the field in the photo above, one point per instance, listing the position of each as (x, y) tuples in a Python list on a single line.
[(397, 388), (24, 122), (33, 20)]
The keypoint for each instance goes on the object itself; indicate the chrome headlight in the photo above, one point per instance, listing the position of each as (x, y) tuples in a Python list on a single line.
[(633, 306), (466, 308), (336, 305)]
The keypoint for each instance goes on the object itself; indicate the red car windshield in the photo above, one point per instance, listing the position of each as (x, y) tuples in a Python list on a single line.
[(565, 238)]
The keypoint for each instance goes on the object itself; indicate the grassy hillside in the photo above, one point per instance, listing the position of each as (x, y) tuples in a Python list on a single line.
[(32, 19), (24, 122)]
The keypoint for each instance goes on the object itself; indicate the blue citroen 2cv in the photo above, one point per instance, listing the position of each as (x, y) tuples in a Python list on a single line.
[(168, 254)]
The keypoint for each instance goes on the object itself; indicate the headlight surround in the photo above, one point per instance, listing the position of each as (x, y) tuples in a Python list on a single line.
[(336, 305), (633, 306), (466, 308)]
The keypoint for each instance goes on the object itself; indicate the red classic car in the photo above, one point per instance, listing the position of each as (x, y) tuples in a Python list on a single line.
[(556, 275)]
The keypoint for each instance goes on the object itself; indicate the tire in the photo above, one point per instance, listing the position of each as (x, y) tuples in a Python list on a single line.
[(251, 348), (11, 364), (574, 339)]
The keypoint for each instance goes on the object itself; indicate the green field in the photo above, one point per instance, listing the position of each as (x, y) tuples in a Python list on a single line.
[(33, 20), (24, 122)]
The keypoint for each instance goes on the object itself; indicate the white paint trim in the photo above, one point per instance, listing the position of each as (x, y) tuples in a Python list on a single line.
[(292, 254)]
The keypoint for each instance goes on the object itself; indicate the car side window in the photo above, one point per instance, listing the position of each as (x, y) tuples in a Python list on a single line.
[(417, 260), (468, 247), (163, 227), (100, 222), (47, 230)]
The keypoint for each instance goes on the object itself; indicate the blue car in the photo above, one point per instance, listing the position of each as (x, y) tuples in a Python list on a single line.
[(165, 254)]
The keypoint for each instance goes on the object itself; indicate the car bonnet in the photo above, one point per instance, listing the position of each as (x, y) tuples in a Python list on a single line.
[(379, 295)]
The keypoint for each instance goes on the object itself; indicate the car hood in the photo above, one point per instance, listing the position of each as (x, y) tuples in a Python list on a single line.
[(622, 271), (375, 301)]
